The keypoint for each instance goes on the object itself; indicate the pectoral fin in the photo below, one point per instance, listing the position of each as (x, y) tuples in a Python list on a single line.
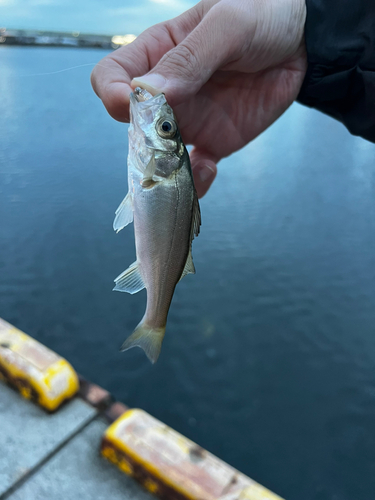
[(151, 168), (148, 180), (130, 280), (124, 213)]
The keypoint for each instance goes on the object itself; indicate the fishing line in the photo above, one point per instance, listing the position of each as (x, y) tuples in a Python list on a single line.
[(65, 69)]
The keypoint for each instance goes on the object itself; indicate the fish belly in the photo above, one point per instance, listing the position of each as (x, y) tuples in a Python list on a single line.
[(162, 225)]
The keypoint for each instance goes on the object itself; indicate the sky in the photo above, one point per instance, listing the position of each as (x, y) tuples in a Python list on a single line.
[(112, 17)]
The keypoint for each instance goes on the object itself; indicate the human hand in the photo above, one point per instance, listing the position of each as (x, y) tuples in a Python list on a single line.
[(228, 68)]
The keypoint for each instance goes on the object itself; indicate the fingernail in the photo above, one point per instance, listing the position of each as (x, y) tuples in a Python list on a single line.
[(154, 83), (205, 172)]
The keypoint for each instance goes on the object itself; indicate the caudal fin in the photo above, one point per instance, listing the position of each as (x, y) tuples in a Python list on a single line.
[(149, 339)]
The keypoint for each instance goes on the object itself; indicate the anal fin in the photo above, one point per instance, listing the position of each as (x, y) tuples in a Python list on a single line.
[(130, 280), (189, 266)]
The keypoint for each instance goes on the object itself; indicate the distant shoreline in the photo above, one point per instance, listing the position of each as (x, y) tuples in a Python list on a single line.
[(73, 39)]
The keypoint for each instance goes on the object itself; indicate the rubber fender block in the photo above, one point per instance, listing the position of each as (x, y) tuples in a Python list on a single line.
[(36, 371), (171, 466)]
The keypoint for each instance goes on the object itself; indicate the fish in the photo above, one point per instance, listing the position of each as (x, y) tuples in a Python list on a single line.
[(163, 203)]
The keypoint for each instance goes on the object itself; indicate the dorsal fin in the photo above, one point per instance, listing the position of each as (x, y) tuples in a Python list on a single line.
[(196, 218)]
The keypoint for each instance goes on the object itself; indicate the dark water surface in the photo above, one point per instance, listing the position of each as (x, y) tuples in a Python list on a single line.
[(269, 357)]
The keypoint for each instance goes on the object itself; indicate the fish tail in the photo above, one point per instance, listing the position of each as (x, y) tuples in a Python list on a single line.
[(147, 338)]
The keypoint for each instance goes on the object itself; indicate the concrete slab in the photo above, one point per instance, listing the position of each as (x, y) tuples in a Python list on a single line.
[(28, 434), (78, 471)]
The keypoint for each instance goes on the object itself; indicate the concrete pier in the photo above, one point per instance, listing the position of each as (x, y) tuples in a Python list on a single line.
[(54, 441), (56, 456)]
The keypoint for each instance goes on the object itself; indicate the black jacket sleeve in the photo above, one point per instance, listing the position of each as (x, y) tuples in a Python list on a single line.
[(340, 78)]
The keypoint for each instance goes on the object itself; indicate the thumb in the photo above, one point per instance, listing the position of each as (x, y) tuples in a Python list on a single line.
[(183, 70), (204, 171)]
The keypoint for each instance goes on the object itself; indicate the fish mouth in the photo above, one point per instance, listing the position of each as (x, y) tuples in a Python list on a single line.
[(142, 95), (142, 99), (145, 107)]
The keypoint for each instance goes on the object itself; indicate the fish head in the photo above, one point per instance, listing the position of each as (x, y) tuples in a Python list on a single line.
[(153, 127)]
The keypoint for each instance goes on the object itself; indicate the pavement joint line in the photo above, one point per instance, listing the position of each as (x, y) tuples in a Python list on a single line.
[(29, 474)]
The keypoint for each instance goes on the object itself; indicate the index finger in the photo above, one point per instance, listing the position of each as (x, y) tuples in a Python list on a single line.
[(111, 77)]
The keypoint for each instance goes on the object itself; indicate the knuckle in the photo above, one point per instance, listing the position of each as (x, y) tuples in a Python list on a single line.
[(240, 15), (187, 55), (183, 59)]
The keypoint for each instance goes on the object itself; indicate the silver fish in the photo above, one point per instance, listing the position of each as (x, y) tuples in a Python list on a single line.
[(163, 203)]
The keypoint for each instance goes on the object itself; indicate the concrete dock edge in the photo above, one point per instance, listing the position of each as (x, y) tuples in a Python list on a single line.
[(167, 464)]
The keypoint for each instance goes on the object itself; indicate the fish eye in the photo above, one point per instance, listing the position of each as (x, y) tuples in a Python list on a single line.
[(166, 128)]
